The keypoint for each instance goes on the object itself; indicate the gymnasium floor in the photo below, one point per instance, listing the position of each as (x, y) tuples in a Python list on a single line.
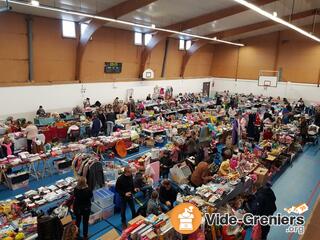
[(300, 183)]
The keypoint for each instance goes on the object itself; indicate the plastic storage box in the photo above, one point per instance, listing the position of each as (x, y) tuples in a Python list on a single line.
[(103, 197), (19, 180), (95, 215), (107, 212)]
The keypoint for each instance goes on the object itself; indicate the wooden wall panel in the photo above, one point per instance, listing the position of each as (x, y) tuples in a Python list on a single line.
[(224, 62), (299, 58), (200, 63), (258, 54), (54, 56), (156, 59), (110, 45), (14, 51), (174, 59)]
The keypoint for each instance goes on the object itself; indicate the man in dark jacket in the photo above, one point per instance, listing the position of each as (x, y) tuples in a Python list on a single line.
[(264, 204), (125, 188), (95, 126), (167, 195)]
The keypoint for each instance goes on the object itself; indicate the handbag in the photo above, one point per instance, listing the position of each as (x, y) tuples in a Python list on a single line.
[(256, 232)]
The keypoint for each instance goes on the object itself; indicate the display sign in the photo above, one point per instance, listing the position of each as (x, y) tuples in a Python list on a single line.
[(112, 67)]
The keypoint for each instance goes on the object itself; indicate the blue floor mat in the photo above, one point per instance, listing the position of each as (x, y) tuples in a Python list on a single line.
[(295, 186)]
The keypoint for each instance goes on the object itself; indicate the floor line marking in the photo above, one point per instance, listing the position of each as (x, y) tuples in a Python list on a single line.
[(308, 202)]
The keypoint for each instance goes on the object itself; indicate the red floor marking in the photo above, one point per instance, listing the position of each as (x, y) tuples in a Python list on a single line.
[(309, 201)]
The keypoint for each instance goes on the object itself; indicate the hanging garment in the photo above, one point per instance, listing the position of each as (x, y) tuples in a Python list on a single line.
[(95, 176), (250, 127), (235, 132)]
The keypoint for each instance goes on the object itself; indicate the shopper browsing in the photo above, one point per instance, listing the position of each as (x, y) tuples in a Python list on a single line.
[(7, 146), (82, 205), (201, 174), (168, 195), (41, 112), (125, 188), (95, 126), (31, 132)]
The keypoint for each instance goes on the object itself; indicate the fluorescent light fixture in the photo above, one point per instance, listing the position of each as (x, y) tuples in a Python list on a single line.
[(275, 14), (153, 25), (147, 38), (181, 44), (188, 44), (86, 15), (138, 38), (68, 29), (276, 19), (34, 3)]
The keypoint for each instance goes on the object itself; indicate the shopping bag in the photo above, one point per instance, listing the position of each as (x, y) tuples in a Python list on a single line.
[(256, 232)]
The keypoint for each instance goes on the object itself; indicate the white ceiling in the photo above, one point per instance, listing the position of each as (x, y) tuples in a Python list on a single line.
[(163, 13)]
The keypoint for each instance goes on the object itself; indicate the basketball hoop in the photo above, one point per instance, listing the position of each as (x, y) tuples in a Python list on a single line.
[(268, 78), (266, 84)]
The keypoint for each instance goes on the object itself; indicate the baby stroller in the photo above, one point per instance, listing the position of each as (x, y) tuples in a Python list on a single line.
[(313, 134)]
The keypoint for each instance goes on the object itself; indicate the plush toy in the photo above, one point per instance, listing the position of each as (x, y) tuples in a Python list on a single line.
[(19, 236)]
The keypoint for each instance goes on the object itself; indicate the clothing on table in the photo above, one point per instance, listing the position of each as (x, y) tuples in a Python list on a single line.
[(201, 174)]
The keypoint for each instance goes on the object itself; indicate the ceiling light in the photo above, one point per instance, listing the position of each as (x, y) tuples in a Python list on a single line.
[(123, 22), (153, 25), (34, 3), (275, 14), (276, 19)]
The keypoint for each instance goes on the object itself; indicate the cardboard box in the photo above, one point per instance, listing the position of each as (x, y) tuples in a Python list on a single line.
[(262, 174), (111, 235), (66, 220)]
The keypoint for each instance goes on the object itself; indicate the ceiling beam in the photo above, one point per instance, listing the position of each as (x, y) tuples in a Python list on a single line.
[(191, 23), (236, 31), (113, 12)]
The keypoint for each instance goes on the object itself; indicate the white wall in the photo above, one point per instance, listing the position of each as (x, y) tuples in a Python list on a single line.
[(24, 101), (309, 92)]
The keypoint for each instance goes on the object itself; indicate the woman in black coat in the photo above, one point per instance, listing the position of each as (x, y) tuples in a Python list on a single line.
[(82, 205)]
